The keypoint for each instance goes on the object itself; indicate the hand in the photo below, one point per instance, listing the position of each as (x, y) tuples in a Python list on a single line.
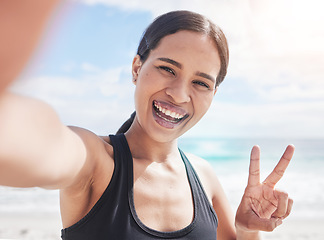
[(262, 206), (21, 25)]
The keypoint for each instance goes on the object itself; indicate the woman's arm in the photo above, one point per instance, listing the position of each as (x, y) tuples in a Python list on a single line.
[(21, 26), (226, 224), (262, 207), (36, 149), (226, 229)]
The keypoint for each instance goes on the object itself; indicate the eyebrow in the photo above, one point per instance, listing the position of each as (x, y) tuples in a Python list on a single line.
[(207, 76), (168, 60), (179, 65)]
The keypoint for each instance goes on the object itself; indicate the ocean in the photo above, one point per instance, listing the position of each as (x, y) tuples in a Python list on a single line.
[(303, 180)]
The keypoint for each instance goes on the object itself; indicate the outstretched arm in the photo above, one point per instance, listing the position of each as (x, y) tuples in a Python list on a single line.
[(36, 149), (21, 25), (263, 207)]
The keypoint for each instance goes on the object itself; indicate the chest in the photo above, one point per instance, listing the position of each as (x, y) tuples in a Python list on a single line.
[(163, 198), (148, 203)]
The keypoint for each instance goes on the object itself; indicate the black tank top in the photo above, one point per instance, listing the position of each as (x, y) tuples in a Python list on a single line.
[(114, 217)]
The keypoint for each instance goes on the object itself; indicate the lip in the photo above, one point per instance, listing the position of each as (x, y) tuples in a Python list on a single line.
[(168, 115)]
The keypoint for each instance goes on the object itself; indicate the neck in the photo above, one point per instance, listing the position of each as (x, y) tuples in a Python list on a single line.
[(143, 146)]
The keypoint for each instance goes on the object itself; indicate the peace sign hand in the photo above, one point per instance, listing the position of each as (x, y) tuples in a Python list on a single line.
[(263, 207)]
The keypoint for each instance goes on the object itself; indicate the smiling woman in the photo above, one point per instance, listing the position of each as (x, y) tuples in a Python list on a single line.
[(165, 25), (137, 184), (170, 78)]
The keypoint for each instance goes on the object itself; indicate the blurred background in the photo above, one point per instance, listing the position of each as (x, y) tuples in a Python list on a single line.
[(273, 94)]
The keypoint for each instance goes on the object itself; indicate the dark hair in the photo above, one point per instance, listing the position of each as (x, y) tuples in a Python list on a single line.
[(173, 22), (126, 125)]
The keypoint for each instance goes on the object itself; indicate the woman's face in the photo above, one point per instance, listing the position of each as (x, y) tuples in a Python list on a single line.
[(175, 85)]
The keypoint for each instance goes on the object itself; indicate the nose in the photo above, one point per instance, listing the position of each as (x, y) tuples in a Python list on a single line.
[(178, 91)]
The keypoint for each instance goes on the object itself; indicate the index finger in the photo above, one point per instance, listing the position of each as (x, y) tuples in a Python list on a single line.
[(281, 167), (254, 170)]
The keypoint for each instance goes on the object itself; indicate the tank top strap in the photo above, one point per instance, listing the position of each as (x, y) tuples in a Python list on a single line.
[(204, 207), (114, 216), (120, 146)]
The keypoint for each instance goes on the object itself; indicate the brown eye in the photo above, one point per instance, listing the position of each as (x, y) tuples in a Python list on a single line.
[(167, 69), (202, 85)]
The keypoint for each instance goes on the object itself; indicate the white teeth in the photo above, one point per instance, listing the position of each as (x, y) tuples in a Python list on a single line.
[(169, 112)]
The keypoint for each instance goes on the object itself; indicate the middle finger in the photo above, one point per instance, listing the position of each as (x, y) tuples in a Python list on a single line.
[(281, 167)]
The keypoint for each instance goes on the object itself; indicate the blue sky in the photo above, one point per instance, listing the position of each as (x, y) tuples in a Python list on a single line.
[(105, 37), (274, 87)]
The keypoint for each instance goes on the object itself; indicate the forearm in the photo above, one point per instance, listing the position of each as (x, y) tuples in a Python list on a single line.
[(25, 127), (35, 146)]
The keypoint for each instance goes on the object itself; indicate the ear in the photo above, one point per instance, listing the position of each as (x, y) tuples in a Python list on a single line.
[(215, 90), (136, 67)]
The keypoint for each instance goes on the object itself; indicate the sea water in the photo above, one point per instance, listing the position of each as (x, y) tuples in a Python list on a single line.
[(303, 180)]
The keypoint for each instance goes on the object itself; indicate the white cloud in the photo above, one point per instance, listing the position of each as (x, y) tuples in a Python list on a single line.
[(91, 101), (289, 120), (275, 48), (271, 42), (293, 92), (93, 80)]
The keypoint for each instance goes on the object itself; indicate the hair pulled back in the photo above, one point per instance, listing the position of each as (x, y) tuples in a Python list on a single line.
[(173, 22)]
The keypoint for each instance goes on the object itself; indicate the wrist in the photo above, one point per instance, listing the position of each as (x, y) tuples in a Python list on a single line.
[(244, 234)]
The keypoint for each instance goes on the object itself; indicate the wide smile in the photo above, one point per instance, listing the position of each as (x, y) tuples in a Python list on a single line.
[(167, 115)]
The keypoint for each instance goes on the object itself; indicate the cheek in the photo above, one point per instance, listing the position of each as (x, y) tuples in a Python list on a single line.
[(148, 83), (145, 88), (209, 102), (202, 105)]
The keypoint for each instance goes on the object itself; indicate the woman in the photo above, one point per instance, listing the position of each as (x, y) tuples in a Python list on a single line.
[(138, 184)]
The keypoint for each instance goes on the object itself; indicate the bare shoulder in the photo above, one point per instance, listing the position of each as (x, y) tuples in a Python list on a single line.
[(79, 197), (199, 163), (206, 175), (94, 142), (106, 139), (99, 158), (216, 196)]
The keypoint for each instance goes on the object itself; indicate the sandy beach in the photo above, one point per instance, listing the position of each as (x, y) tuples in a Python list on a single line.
[(48, 226), (30, 226)]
